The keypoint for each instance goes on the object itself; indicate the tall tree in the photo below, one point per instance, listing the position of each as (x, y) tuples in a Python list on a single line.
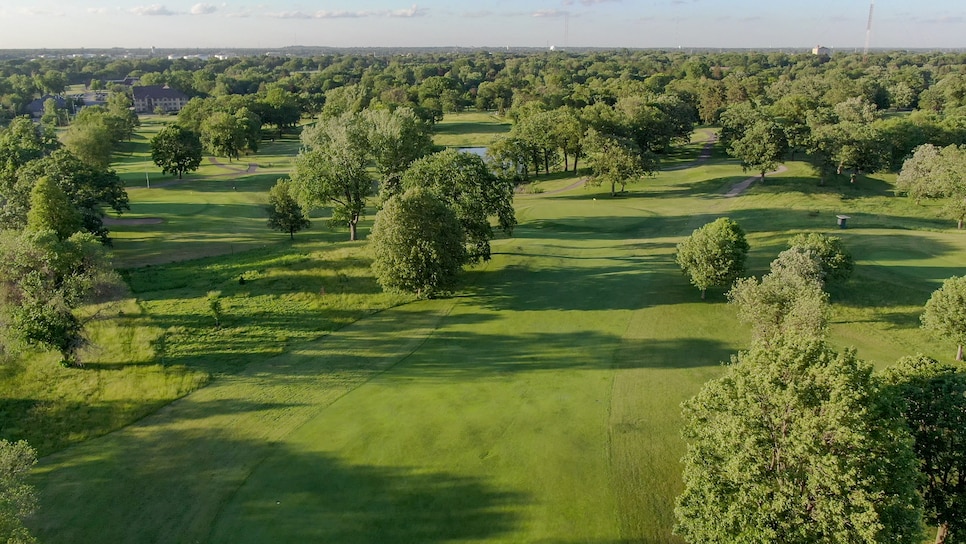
[(396, 139), (223, 134), (333, 170), (89, 189), (616, 161), (279, 108), (90, 141), (121, 115), (51, 210), (18, 499), (937, 173), (284, 212), (935, 411), (714, 255), (761, 147), (176, 150), (417, 244), (45, 278), (835, 260), (796, 444), (789, 301), (945, 312), (464, 182)]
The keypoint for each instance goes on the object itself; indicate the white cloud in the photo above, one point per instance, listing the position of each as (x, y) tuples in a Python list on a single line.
[(203, 9), (339, 14), (290, 15), (413, 11), (40, 12), (98, 11), (154, 9)]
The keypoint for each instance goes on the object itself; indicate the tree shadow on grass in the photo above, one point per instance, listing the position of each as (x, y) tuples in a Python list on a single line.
[(453, 354), (319, 498), (155, 483)]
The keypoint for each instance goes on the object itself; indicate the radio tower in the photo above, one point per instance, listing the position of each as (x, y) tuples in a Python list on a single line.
[(868, 32)]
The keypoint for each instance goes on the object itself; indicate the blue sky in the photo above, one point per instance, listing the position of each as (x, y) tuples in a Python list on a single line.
[(488, 23)]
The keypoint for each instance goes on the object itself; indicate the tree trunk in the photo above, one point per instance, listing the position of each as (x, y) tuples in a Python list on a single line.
[(576, 158), (703, 293), (959, 353), (546, 161), (763, 176), (613, 184), (566, 160), (942, 533), (352, 229), (291, 235)]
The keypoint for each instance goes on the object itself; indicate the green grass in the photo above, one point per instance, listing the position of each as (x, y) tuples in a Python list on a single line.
[(540, 404), (470, 129)]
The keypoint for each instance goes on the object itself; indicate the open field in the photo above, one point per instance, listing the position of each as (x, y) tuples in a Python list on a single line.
[(538, 404), (470, 129)]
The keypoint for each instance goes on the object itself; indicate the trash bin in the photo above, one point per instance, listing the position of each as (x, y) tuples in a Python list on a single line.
[(843, 221)]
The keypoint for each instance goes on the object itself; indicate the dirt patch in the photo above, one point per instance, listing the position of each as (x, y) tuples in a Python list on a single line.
[(133, 221)]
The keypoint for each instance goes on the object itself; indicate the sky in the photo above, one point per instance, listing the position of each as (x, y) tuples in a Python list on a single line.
[(840, 24)]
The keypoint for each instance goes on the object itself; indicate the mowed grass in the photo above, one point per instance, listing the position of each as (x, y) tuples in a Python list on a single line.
[(539, 404), (470, 129)]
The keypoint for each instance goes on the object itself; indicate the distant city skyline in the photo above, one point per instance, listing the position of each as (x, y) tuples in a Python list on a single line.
[(838, 24)]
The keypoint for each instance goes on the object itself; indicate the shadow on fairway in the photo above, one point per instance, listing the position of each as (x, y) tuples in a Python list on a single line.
[(457, 355), (318, 498), (203, 485)]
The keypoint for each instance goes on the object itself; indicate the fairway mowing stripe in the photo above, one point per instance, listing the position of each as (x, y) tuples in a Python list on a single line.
[(172, 472)]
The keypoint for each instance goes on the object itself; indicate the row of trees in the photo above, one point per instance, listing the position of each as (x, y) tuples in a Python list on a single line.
[(800, 443), (52, 237), (622, 141)]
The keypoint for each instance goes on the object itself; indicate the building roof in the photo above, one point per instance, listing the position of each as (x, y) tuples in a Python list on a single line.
[(156, 92), (37, 106)]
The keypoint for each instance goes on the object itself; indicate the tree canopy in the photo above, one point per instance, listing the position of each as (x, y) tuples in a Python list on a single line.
[(464, 182), (714, 255), (333, 169), (417, 244), (789, 301), (176, 150), (835, 260), (934, 396), (932, 172), (18, 499), (945, 312), (284, 212), (795, 444)]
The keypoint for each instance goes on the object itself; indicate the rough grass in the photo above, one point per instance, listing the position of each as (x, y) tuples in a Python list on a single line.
[(540, 404)]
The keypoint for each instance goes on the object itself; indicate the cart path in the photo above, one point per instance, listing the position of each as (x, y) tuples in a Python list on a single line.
[(739, 188), (249, 170), (706, 152)]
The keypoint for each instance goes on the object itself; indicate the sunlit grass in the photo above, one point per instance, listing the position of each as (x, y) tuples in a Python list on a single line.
[(539, 404)]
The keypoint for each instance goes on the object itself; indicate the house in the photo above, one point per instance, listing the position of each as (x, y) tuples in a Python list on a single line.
[(36, 107), (148, 98)]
